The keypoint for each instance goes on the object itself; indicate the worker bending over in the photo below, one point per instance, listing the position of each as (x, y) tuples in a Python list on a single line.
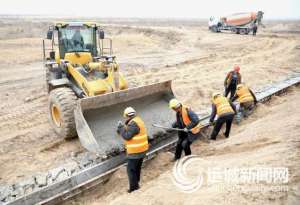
[(225, 110), (232, 79), (134, 133), (189, 121), (246, 101)]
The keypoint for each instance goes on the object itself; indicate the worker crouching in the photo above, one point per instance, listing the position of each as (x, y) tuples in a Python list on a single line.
[(245, 101), (225, 110), (187, 120), (134, 133)]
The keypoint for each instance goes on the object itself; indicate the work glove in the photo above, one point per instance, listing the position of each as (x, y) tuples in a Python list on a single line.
[(119, 130), (120, 124)]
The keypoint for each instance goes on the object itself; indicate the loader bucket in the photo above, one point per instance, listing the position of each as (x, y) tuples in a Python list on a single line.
[(97, 117)]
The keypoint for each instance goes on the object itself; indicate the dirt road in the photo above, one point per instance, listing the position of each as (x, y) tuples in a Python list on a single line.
[(185, 52)]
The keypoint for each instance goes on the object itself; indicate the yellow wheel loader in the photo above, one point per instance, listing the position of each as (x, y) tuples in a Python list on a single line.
[(87, 91)]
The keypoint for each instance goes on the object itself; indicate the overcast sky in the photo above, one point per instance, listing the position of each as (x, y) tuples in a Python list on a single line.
[(281, 9)]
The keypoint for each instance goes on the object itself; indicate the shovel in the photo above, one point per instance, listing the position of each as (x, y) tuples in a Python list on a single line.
[(205, 137), (168, 128)]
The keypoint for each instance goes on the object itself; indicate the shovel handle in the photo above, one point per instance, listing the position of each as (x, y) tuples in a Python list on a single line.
[(168, 128)]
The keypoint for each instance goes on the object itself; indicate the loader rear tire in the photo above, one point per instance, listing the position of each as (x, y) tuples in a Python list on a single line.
[(62, 102)]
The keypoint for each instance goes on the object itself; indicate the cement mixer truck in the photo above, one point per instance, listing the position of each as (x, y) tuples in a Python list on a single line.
[(239, 23)]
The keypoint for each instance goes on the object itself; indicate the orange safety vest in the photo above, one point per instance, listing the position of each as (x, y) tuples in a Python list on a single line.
[(139, 143), (244, 94), (187, 120), (223, 105), (229, 78)]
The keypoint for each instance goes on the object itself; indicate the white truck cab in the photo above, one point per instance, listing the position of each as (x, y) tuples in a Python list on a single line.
[(213, 21)]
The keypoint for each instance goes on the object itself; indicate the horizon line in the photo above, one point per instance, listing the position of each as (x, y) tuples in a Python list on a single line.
[(129, 17)]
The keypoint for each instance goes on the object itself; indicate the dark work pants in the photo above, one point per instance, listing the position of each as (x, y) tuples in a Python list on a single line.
[(134, 167), (183, 143), (220, 121), (254, 31), (230, 89)]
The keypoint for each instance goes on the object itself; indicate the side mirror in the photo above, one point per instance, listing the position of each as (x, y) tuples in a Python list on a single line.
[(101, 34), (50, 34)]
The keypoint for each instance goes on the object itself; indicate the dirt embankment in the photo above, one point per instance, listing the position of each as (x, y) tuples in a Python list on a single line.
[(269, 138)]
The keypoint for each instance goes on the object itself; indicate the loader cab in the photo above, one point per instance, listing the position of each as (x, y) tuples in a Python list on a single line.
[(77, 38)]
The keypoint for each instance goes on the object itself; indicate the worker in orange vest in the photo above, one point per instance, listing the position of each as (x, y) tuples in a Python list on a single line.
[(225, 110), (232, 79), (245, 100), (134, 133), (187, 120)]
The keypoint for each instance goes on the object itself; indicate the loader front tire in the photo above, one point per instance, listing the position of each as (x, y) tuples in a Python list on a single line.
[(62, 102)]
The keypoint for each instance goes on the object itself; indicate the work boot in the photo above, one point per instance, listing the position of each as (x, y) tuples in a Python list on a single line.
[(132, 190)]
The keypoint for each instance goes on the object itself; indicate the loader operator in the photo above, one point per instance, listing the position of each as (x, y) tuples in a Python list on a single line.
[(77, 40), (189, 121), (136, 142), (232, 79), (225, 110), (246, 101)]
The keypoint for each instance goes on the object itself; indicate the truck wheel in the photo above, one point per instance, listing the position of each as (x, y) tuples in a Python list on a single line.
[(234, 30), (62, 102), (215, 29), (243, 31)]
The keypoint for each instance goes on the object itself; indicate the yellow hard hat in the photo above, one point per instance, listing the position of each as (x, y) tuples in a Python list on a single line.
[(128, 112), (174, 103), (239, 86), (214, 95)]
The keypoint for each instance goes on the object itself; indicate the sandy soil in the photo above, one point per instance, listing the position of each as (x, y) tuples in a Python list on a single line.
[(258, 142), (151, 51)]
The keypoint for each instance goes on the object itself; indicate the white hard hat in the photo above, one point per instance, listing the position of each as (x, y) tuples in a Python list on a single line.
[(129, 111)]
